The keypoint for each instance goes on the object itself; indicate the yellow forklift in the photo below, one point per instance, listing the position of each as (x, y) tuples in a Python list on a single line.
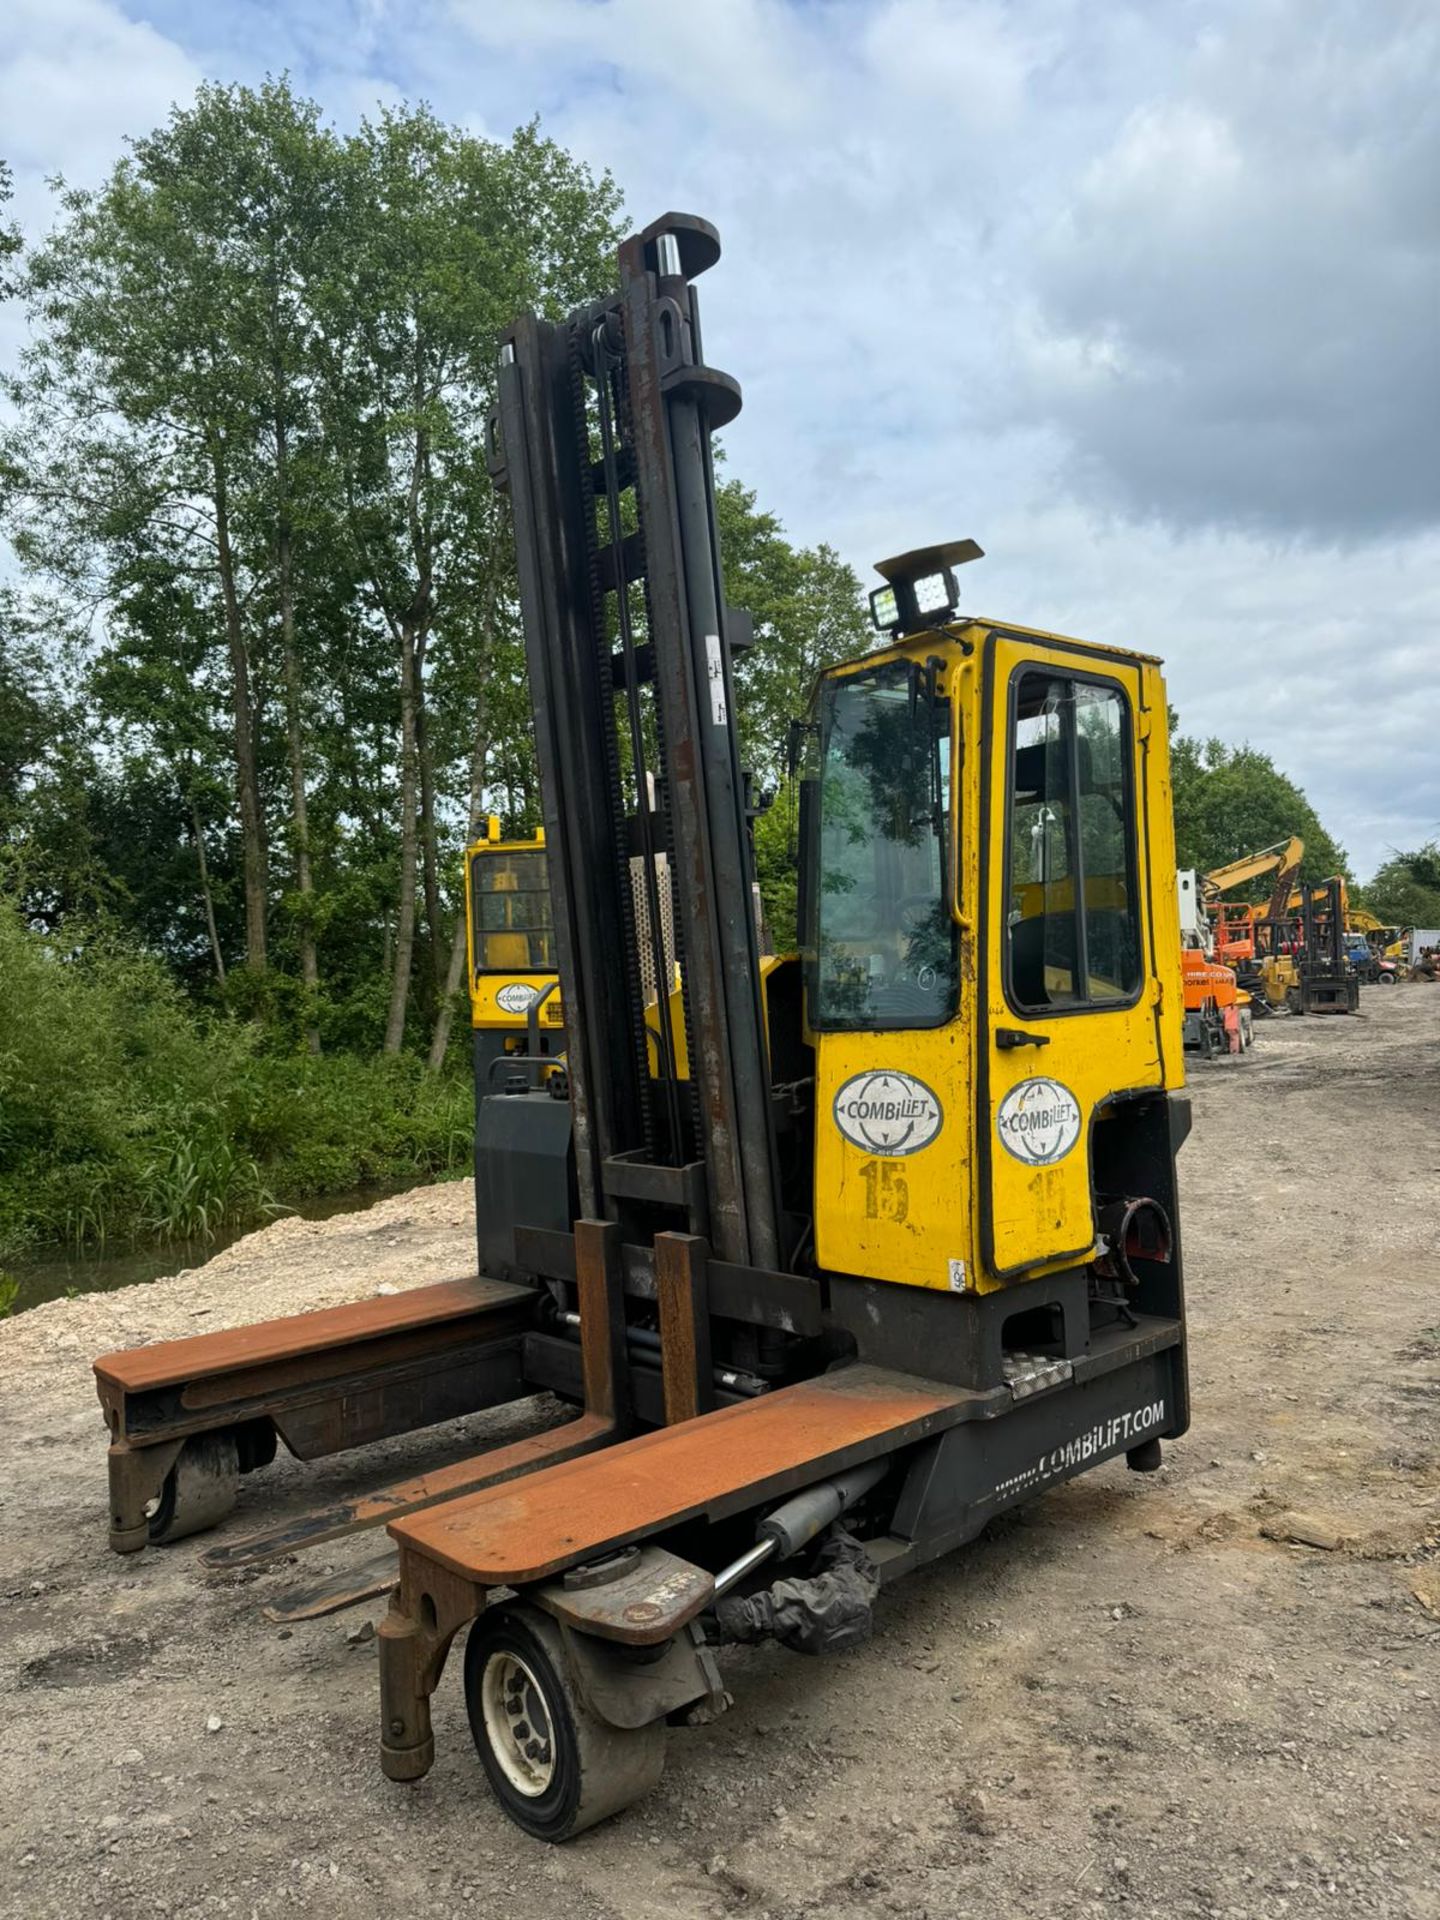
[(836, 1255), (514, 990)]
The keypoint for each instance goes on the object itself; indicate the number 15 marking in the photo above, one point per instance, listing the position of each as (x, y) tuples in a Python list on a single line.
[(887, 1196)]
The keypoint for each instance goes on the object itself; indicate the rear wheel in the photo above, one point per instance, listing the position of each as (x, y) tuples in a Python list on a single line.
[(199, 1490), (554, 1765)]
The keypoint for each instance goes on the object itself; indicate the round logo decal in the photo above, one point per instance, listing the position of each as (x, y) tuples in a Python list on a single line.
[(887, 1112), (1039, 1121), (517, 997)]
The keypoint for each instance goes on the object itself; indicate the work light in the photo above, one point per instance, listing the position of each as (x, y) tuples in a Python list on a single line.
[(936, 593), (920, 589), (884, 609)]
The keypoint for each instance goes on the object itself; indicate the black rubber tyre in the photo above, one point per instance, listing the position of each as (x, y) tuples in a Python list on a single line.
[(199, 1490), (554, 1766)]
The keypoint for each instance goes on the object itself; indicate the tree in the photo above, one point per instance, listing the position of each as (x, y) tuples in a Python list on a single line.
[(51, 865), (808, 612), (1405, 891), (1231, 801), (251, 446), (444, 239), (10, 241), (141, 407)]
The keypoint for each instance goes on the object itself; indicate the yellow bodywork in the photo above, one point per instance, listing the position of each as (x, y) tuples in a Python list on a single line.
[(962, 1210), (770, 963)]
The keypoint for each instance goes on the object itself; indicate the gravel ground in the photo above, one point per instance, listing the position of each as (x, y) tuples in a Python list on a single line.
[(1137, 1694)]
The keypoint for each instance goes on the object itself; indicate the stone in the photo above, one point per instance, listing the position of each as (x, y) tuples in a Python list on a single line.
[(1303, 1530)]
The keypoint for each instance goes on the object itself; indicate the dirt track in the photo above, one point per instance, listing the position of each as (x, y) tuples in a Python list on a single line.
[(1124, 1698)]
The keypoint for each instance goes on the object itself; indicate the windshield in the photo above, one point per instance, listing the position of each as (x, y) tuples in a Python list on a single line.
[(510, 901), (884, 945)]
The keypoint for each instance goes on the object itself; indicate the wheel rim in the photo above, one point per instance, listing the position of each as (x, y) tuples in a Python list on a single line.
[(517, 1723)]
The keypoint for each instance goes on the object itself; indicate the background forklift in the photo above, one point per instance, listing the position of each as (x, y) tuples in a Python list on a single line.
[(836, 1255), (514, 990), (1328, 982), (1300, 960)]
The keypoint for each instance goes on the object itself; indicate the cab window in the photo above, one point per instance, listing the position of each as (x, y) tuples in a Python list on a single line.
[(510, 902), (1072, 923), (882, 951)]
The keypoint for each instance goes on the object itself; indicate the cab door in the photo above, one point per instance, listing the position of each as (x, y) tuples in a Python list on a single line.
[(1068, 979)]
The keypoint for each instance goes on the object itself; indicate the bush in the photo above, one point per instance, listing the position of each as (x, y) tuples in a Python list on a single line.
[(125, 1114)]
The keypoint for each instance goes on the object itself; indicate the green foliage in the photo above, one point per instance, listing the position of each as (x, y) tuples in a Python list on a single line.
[(10, 241), (1231, 801), (251, 427), (1405, 891), (808, 613), (125, 1114), (777, 858)]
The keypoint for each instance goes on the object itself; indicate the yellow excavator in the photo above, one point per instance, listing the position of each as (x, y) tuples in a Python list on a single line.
[(1234, 926)]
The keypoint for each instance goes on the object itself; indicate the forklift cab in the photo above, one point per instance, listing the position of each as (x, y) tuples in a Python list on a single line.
[(989, 857), (510, 949)]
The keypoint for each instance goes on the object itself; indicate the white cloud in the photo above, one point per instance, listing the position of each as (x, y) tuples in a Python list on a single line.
[(1233, 316), (76, 76), (1136, 295)]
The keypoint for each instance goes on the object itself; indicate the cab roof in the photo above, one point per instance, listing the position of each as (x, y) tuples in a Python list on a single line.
[(978, 629)]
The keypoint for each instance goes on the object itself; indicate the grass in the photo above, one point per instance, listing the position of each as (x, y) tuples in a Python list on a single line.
[(127, 1116)]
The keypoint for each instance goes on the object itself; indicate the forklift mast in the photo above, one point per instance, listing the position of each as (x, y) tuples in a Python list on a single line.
[(602, 440)]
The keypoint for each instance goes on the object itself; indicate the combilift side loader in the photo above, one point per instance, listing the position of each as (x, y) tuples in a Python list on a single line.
[(836, 1255)]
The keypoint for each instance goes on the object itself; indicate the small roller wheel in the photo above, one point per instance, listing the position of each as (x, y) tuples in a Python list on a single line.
[(199, 1490), (555, 1766)]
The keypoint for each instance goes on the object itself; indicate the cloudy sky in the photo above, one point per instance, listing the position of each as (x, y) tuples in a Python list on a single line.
[(1143, 294)]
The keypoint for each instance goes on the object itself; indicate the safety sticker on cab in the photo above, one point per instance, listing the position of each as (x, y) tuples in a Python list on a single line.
[(1038, 1121)]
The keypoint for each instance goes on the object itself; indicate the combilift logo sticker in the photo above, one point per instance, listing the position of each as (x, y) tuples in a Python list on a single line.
[(1039, 1122), (887, 1112), (517, 997)]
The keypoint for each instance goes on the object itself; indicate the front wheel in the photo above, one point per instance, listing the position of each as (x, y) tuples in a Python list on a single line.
[(554, 1765)]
